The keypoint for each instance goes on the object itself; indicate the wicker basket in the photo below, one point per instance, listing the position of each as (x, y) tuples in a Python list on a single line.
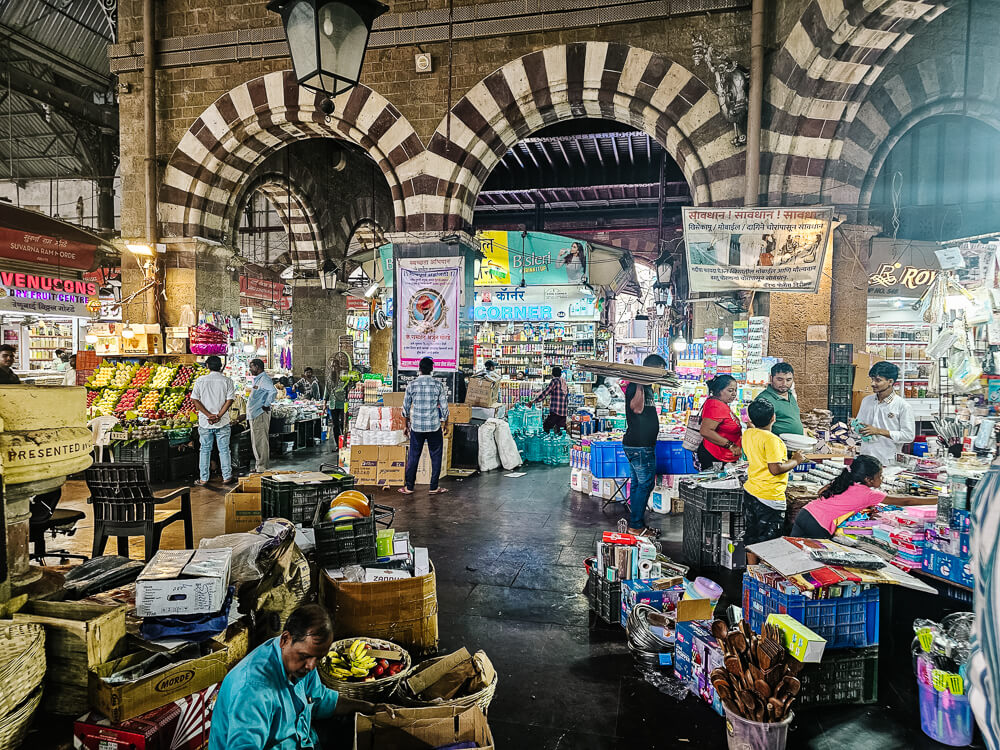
[(14, 726), (482, 698), (368, 691), (22, 663)]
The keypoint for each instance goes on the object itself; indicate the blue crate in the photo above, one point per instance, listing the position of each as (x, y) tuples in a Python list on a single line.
[(845, 622), (608, 461), (672, 458)]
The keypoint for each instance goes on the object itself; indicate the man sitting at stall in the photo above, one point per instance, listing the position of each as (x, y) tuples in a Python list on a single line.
[(779, 394), (270, 700), (308, 385)]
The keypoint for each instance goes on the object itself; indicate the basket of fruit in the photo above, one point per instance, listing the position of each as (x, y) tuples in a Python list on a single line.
[(364, 668)]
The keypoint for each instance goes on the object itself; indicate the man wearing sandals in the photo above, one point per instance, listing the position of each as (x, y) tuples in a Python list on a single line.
[(640, 447), (425, 408)]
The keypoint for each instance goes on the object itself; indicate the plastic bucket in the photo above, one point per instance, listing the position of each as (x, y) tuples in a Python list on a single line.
[(945, 717), (743, 734), (703, 588)]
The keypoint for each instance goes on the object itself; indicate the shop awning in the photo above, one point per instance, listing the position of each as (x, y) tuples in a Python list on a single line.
[(30, 237)]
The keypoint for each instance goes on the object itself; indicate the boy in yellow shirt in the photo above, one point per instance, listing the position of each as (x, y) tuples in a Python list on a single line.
[(769, 464)]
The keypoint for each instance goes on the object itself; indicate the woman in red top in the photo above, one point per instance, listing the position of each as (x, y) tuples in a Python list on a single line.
[(721, 432)]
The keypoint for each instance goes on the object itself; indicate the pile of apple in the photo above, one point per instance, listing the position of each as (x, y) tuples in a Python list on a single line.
[(185, 374), (92, 397), (142, 376), (163, 376), (123, 375), (128, 400), (103, 376), (187, 406), (106, 404)]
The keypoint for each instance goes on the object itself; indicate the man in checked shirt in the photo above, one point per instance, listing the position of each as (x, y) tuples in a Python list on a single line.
[(425, 408), (557, 391)]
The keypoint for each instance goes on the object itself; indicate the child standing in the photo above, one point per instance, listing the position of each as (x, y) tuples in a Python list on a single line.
[(769, 464)]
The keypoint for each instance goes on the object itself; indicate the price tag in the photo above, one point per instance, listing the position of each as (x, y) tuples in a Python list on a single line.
[(925, 637)]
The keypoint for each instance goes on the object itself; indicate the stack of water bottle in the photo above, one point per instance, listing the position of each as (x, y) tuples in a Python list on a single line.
[(535, 445)]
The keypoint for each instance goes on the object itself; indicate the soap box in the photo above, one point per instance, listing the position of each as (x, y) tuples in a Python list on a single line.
[(804, 644)]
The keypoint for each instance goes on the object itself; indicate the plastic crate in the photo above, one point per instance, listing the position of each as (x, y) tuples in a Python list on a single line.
[(701, 543), (849, 676), (295, 502), (350, 541), (845, 622), (710, 499), (673, 458), (605, 597), (839, 399), (608, 461), (183, 466), (841, 354), (137, 451), (841, 375)]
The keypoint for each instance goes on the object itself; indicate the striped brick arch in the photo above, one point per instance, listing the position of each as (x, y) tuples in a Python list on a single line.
[(820, 79), (594, 79), (292, 205), (239, 130)]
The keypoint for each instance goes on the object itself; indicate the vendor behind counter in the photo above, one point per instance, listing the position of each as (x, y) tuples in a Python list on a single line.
[(780, 394)]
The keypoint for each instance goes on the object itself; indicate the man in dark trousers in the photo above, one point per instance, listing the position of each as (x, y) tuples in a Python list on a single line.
[(558, 393), (640, 447), (425, 408)]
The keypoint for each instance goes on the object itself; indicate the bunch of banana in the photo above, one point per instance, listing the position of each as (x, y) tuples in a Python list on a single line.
[(354, 662)]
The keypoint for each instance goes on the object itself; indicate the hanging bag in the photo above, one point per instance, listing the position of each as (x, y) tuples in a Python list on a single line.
[(692, 434)]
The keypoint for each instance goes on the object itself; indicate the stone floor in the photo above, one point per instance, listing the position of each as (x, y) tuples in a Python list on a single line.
[(509, 556)]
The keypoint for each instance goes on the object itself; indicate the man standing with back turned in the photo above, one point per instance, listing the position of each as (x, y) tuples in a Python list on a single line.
[(213, 395), (262, 395), (425, 408)]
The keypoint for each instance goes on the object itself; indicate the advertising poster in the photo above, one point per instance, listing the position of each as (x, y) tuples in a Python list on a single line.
[(542, 259), (429, 312), (767, 249)]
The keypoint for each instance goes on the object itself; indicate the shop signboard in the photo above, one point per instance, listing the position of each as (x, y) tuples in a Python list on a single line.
[(36, 294), (766, 249), (29, 247), (517, 303), (537, 257), (429, 311), (901, 268), (254, 290)]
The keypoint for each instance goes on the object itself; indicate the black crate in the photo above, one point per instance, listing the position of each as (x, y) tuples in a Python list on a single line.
[(143, 452), (841, 414), (157, 472), (841, 375), (711, 499), (839, 399), (841, 354), (183, 466), (295, 502), (350, 541), (703, 532), (605, 597), (848, 676)]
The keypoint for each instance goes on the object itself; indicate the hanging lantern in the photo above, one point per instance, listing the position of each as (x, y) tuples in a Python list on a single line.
[(327, 40)]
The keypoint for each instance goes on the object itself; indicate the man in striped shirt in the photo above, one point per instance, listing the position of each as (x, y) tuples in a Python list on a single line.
[(558, 393)]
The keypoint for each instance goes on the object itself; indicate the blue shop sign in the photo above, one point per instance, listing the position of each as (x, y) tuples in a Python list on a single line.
[(509, 312)]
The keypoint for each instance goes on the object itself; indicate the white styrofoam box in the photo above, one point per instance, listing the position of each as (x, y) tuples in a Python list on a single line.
[(576, 479), (596, 487), (373, 575), (183, 582)]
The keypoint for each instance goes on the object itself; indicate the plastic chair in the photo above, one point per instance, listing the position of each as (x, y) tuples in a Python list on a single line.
[(99, 428), (125, 506)]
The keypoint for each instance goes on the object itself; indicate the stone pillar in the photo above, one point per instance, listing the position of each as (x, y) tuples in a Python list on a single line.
[(791, 315), (849, 316), (319, 319)]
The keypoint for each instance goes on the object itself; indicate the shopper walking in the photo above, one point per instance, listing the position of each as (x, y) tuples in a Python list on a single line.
[(308, 386), (262, 395), (779, 393), (213, 395), (887, 422), (425, 408), (7, 375), (336, 401), (720, 431), (640, 447), (768, 467), (558, 394)]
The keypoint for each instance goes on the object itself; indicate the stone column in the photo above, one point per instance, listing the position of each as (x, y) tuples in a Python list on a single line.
[(849, 316), (319, 319)]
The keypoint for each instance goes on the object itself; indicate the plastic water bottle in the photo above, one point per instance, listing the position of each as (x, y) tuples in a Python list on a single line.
[(547, 450)]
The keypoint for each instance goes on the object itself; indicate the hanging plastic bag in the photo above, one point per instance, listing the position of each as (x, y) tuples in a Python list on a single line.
[(965, 377), (187, 318)]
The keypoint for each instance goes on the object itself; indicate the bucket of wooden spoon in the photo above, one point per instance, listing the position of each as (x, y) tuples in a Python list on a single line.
[(744, 734)]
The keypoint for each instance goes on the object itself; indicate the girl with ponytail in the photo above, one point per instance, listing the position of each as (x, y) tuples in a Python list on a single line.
[(855, 489)]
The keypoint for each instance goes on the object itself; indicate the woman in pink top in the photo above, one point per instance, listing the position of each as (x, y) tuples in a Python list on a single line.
[(855, 489)]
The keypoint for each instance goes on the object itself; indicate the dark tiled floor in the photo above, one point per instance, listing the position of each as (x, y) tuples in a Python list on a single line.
[(509, 557)]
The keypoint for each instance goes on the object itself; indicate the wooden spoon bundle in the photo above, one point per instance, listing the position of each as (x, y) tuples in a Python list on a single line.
[(759, 679)]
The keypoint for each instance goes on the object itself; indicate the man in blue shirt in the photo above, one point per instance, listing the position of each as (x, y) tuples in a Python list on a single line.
[(262, 395), (425, 408), (270, 699)]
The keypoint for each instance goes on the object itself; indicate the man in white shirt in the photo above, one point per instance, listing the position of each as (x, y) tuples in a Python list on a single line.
[(213, 395), (885, 417)]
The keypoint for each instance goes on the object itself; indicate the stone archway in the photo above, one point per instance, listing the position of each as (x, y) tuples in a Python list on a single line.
[(604, 80), (241, 128), (296, 215), (819, 79)]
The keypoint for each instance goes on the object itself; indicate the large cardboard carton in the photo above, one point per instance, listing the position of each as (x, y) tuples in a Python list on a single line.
[(364, 463), (403, 611), (391, 465), (420, 728), (183, 582), (424, 466), (482, 392), (183, 724), (393, 399), (243, 507), (122, 701), (459, 413)]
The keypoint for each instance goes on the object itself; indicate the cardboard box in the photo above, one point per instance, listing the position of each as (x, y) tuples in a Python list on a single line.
[(391, 469), (393, 399), (404, 612), (482, 392), (420, 728), (243, 508), (143, 343), (424, 465), (364, 463), (459, 413), (733, 554), (183, 724), (128, 700), (804, 644), (183, 582)]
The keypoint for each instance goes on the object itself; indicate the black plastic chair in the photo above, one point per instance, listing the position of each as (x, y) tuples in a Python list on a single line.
[(47, 519), (125, 506)]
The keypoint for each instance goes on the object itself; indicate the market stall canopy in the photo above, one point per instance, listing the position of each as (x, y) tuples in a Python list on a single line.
[(31, 238)]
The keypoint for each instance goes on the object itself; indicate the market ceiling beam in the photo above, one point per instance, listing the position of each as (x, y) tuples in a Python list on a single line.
[(60, 100), (54, 60)]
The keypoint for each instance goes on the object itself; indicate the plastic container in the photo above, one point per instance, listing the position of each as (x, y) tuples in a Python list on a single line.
[(743, 734), (945, 717), (703, 588)]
